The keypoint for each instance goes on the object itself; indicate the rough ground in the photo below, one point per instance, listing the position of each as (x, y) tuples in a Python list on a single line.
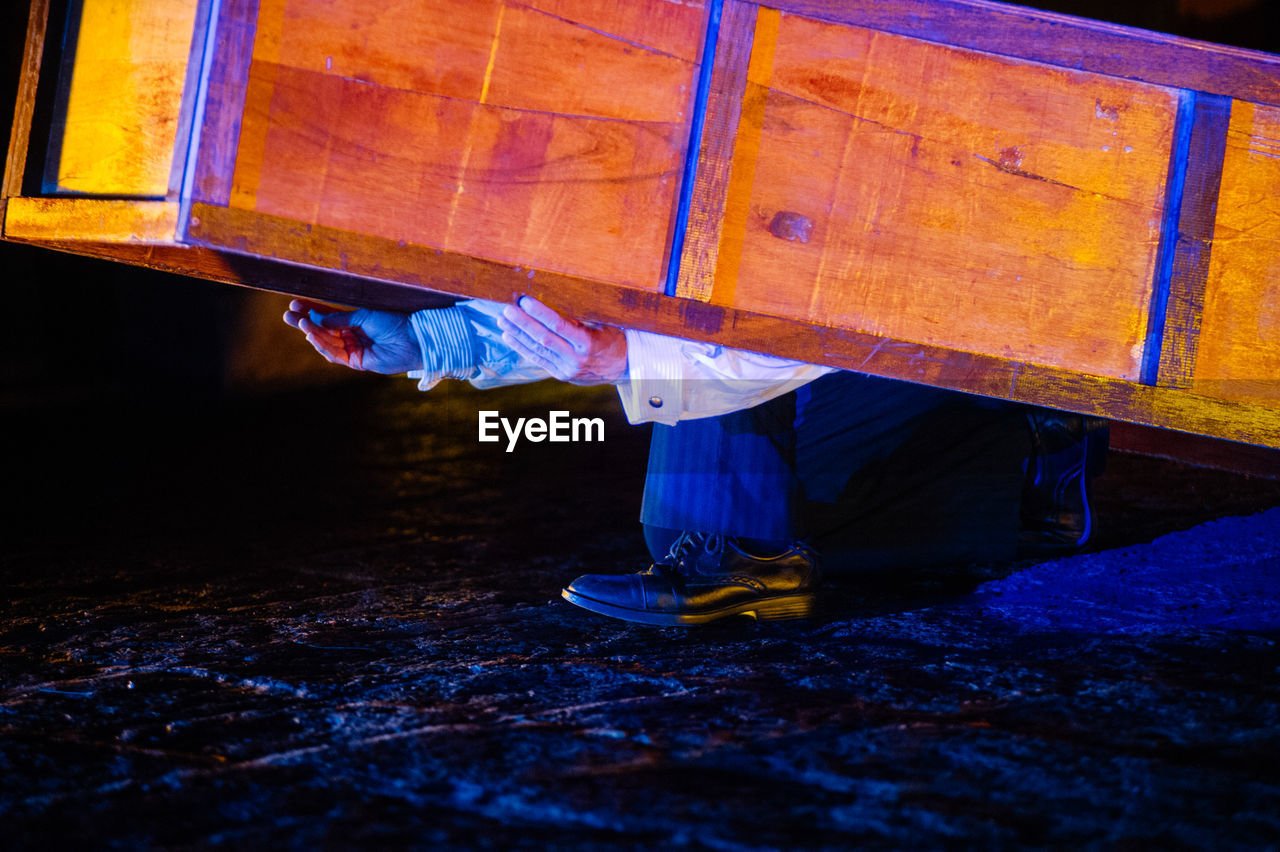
[(332, 619)]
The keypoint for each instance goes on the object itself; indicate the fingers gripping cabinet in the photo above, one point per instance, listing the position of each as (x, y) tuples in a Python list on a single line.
[(960, 193)]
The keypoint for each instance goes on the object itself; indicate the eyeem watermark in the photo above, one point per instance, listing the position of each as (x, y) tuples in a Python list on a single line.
[(559, 427)]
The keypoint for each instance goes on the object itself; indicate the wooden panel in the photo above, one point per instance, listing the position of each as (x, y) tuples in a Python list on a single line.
[(673, 27), (499, 130), (121, 113), (1239, 354), (951, 198), (502, 54), (1063, 40), (442, 49), (92, 219)]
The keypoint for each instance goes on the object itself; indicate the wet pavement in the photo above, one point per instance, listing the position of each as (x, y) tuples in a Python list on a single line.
[(331, 618)]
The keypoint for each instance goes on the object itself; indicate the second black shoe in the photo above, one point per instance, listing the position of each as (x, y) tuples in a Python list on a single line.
[(1068, 451)]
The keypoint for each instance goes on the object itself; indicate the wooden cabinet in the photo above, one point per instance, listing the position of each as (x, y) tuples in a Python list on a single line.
[(956, 192)]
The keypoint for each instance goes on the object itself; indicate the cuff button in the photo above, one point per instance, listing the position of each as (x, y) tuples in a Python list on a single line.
[(655, 401)]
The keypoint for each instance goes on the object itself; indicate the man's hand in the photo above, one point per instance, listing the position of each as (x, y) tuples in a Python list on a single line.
[(571, 351), (362, 339)]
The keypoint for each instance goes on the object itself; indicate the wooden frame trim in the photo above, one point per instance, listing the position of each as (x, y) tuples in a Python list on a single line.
[(91, 219), (702, 95), (236, 29), (1162, 278), (1191, 242), (241, 231), (1062, 40), (33, 55), (1195, 450), (54, 89), (715, 159), (193, 97)]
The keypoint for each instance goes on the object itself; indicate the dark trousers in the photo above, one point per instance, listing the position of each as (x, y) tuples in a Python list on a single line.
[(872, 472)]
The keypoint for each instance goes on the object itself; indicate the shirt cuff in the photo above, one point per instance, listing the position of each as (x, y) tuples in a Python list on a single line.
[(445, 340), (651, 387)]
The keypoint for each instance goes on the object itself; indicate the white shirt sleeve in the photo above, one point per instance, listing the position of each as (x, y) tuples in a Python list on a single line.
[(464, 342), (668, 379)]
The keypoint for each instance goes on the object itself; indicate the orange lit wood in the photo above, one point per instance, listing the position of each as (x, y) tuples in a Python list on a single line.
[(505, 131), (1239, 353), (121, 114), (950, 198), (91, 219)]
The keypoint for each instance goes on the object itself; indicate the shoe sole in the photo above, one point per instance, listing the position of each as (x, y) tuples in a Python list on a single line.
[(769, 609)]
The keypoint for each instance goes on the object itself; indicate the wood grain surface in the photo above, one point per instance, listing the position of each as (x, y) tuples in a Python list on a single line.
[(548, 135), (1239, 351), (120, 118), (91, 219), (947, 197), (1007, 29)]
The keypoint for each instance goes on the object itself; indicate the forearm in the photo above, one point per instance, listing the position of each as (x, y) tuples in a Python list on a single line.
[(667, 379)]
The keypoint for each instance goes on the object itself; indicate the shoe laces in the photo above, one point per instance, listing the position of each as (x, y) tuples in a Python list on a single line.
[(687, 545)]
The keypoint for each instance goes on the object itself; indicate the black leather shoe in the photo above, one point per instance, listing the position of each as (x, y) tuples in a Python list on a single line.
[(704, 578), (1067, 452)]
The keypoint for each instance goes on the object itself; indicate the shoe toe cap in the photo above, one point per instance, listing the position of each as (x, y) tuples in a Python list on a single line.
[(622, 590)]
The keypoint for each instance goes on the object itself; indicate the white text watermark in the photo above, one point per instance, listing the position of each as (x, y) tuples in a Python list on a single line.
[(558, 427)]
